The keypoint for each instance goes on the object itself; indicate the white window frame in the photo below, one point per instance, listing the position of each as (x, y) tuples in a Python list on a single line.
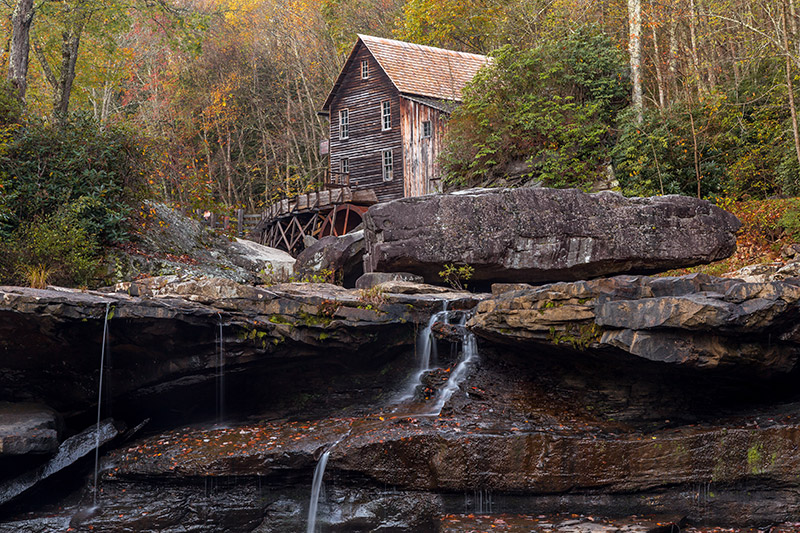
[(387, 164), (344, 165), (386, 115), (426, 124), (364, 69), (344, 123)]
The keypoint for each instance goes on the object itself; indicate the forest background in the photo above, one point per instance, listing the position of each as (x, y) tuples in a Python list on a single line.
[(213, 104)]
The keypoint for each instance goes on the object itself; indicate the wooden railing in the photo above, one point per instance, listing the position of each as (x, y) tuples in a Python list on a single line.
[(334, 189), (241, 224), (336, 179)]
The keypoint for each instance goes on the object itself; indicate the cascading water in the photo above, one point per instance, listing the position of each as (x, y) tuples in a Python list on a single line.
[(220, 376), (426, 346), (316, 486), (99, 403), (469, 353)]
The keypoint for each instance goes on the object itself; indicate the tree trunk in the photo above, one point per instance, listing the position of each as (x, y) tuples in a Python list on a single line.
[(70, 43), (789, 85), (19, 54), (693, 46), (673, 53), (635, 50), (697, 174), (662, 87)]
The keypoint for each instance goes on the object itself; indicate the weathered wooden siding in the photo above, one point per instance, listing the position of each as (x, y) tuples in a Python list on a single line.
[(420, 166), (364, 147)]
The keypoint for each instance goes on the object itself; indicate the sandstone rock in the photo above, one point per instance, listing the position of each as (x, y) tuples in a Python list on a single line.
[(168, 337), (370, 279), (341, 255), (178, 245), (27, 428), (535, 235), (696, 321), (70, 451)]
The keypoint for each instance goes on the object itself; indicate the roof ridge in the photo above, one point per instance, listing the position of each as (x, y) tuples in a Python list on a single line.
[(422, 47)]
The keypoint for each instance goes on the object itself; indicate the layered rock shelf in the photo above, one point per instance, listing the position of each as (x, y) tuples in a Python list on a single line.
[(697, 321), (168, 337)]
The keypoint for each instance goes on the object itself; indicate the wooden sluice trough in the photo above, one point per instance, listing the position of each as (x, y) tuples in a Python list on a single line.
[(332, 211)]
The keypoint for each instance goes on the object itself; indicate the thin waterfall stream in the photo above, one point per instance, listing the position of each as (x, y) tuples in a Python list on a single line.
[(316, 485), (100, 403), (426, 348), (220, 388)]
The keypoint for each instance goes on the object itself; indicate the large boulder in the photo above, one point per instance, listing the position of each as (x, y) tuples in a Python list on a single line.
[(342, 256), (539, 235)]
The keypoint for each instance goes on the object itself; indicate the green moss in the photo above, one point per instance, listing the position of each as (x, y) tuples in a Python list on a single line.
[(314, 320), (579, 336), (323, 336), (280, 319), (755, 459)]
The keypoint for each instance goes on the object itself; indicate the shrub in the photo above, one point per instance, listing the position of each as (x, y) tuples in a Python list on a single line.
[(457, 276), (44, 167), (550, 108), (54, 249)]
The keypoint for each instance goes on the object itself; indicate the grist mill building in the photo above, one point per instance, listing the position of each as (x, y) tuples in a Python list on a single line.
[(388, 111)]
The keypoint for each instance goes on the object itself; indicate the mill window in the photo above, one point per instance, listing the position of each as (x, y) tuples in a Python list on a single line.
[(388, 166), (364, 69), (426, 128), (386, 115), (344, 123)]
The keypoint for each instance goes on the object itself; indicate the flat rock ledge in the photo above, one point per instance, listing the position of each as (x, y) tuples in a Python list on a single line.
[(170, 332), (535, 235), (696, 321)]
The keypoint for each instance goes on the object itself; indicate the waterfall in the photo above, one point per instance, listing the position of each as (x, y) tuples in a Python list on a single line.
[(316, 486), (469, 353), (100, 402), (426, 345), (220, 376)]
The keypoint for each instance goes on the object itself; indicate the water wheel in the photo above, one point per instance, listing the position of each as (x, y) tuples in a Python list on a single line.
[(343, 219)]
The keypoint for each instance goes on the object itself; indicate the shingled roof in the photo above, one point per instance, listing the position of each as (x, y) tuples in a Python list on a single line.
[(417, 70)]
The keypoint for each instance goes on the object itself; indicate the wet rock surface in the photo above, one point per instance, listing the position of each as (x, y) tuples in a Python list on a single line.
[(509, 441), (27, 429), (168, 337), (538, 235), (70, 451), (545, 422), (696, 321)]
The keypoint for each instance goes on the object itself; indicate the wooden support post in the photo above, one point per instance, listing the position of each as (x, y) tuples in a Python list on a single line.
[(240, 222)]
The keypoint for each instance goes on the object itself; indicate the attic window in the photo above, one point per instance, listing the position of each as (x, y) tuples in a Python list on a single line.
[(386, 115), (364, 69), (426, 129)]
